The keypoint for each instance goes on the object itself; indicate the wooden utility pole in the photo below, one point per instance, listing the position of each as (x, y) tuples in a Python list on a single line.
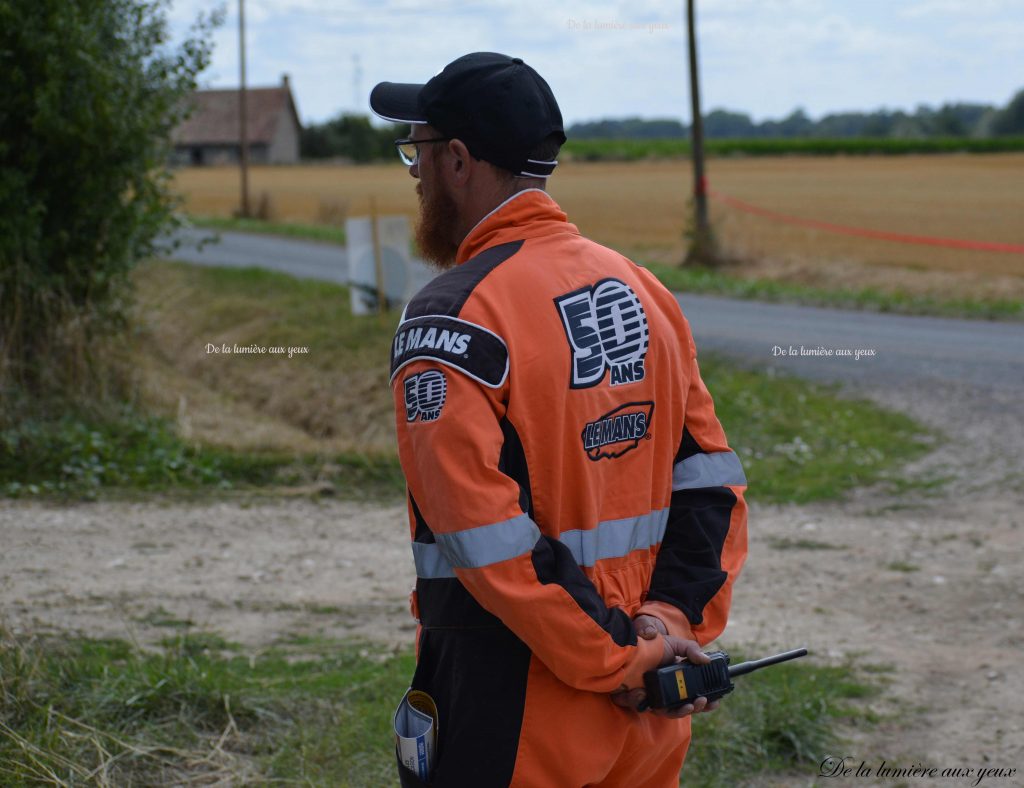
[(702, 247), (243, 116)]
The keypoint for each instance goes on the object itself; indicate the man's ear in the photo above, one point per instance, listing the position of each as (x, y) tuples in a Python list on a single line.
[(461, 161)]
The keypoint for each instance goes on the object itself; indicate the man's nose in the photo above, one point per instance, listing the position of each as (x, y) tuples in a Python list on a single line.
[(414, 170)]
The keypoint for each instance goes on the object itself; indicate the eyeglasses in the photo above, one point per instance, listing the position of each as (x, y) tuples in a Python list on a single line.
[(409, 153)]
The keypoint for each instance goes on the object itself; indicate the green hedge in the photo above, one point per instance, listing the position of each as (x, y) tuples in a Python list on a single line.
[(633, 150)]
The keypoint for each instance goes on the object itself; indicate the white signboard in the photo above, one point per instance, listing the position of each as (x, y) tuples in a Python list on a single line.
[(403, 276)]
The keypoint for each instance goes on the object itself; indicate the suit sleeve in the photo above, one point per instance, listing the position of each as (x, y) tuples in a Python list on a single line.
[(705, 542), (450, 449)]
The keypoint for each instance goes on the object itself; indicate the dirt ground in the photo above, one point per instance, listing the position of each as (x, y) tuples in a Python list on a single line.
[(924, 586)]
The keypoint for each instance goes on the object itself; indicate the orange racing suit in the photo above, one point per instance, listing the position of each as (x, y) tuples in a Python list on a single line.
[(566, 472)]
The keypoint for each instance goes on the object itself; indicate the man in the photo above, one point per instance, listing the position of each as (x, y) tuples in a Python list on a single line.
[(569, 485)]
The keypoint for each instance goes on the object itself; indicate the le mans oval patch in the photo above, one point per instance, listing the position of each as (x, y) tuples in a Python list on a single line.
[(473, 350), (617, 431)]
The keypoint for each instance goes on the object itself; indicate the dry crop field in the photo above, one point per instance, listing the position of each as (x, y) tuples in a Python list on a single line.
[(641, 208)]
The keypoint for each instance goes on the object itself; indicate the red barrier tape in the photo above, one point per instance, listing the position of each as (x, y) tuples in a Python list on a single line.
[(952, 243)]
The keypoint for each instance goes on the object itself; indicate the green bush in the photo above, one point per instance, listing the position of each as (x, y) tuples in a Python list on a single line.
[(91, 93)]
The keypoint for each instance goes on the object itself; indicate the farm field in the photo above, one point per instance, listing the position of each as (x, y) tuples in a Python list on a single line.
[(641, 209)]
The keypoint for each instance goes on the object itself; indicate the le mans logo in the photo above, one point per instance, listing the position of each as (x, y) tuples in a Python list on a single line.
[(617, 431), (607, 330)]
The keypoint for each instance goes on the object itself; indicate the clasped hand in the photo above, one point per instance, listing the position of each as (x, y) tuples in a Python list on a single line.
[(676, 650)]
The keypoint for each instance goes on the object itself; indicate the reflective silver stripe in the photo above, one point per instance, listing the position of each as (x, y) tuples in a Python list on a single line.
[(615, 538), (708, 470), (430, 563), (489, 544)]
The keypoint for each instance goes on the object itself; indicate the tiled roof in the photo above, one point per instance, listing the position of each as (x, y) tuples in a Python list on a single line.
[(214, 121)]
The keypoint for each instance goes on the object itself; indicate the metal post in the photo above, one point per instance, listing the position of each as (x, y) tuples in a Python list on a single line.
[(243, 116)]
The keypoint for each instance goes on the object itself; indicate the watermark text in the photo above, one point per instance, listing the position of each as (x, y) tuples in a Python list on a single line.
[(884, 770), (605, 25), (856, 353), (234, 349)]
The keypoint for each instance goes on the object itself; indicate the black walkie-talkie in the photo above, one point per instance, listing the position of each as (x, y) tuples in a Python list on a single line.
[(676, 685)]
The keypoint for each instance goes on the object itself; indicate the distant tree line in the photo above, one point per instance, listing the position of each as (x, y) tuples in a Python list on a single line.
[(350, 137), (949, 120), (354, 138)]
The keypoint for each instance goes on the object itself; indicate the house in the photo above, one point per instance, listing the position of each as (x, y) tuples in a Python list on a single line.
[(210, 135)]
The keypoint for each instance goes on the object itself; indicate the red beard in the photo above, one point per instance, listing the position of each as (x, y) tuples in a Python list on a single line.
[(436, 227)]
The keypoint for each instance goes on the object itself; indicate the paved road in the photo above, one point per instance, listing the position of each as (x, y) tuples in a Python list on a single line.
[(919, 349), (308, 259), (906, 348)]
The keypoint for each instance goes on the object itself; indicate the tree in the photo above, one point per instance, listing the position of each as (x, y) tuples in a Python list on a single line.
[(91, 93), (1010, 120), (352, 137), (947, 123), (722, 124)]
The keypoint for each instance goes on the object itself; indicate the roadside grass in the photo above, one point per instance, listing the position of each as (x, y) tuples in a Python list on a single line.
[(800, 442), (83, 456), (309, 232), (709, 281), (76, 711), (79, 454), (322, 422)]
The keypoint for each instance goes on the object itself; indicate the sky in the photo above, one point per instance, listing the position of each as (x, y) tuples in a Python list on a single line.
[(612, 59)]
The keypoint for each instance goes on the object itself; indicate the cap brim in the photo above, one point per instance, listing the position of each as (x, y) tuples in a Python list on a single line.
[(398, 102)]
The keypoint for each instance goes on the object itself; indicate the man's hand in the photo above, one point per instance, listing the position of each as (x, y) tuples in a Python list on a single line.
[(647, 627), (676, 650)]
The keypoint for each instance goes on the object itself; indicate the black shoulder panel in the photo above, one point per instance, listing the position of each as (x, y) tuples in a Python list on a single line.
[(465, 346), (446, 294)]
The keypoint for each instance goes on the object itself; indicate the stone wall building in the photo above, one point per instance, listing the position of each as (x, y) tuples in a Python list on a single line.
[(210, 135)]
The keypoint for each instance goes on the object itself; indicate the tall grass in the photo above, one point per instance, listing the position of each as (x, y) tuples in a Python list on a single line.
[(90, 712), (199, 710)]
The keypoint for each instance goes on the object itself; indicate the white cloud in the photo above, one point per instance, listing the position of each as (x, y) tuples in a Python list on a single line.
[(962, 9), (763, 58)]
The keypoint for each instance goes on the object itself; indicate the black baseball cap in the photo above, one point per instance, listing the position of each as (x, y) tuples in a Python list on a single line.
[(497, 105)]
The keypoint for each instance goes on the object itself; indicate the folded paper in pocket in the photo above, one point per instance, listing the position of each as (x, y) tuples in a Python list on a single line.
[(416, 732)]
